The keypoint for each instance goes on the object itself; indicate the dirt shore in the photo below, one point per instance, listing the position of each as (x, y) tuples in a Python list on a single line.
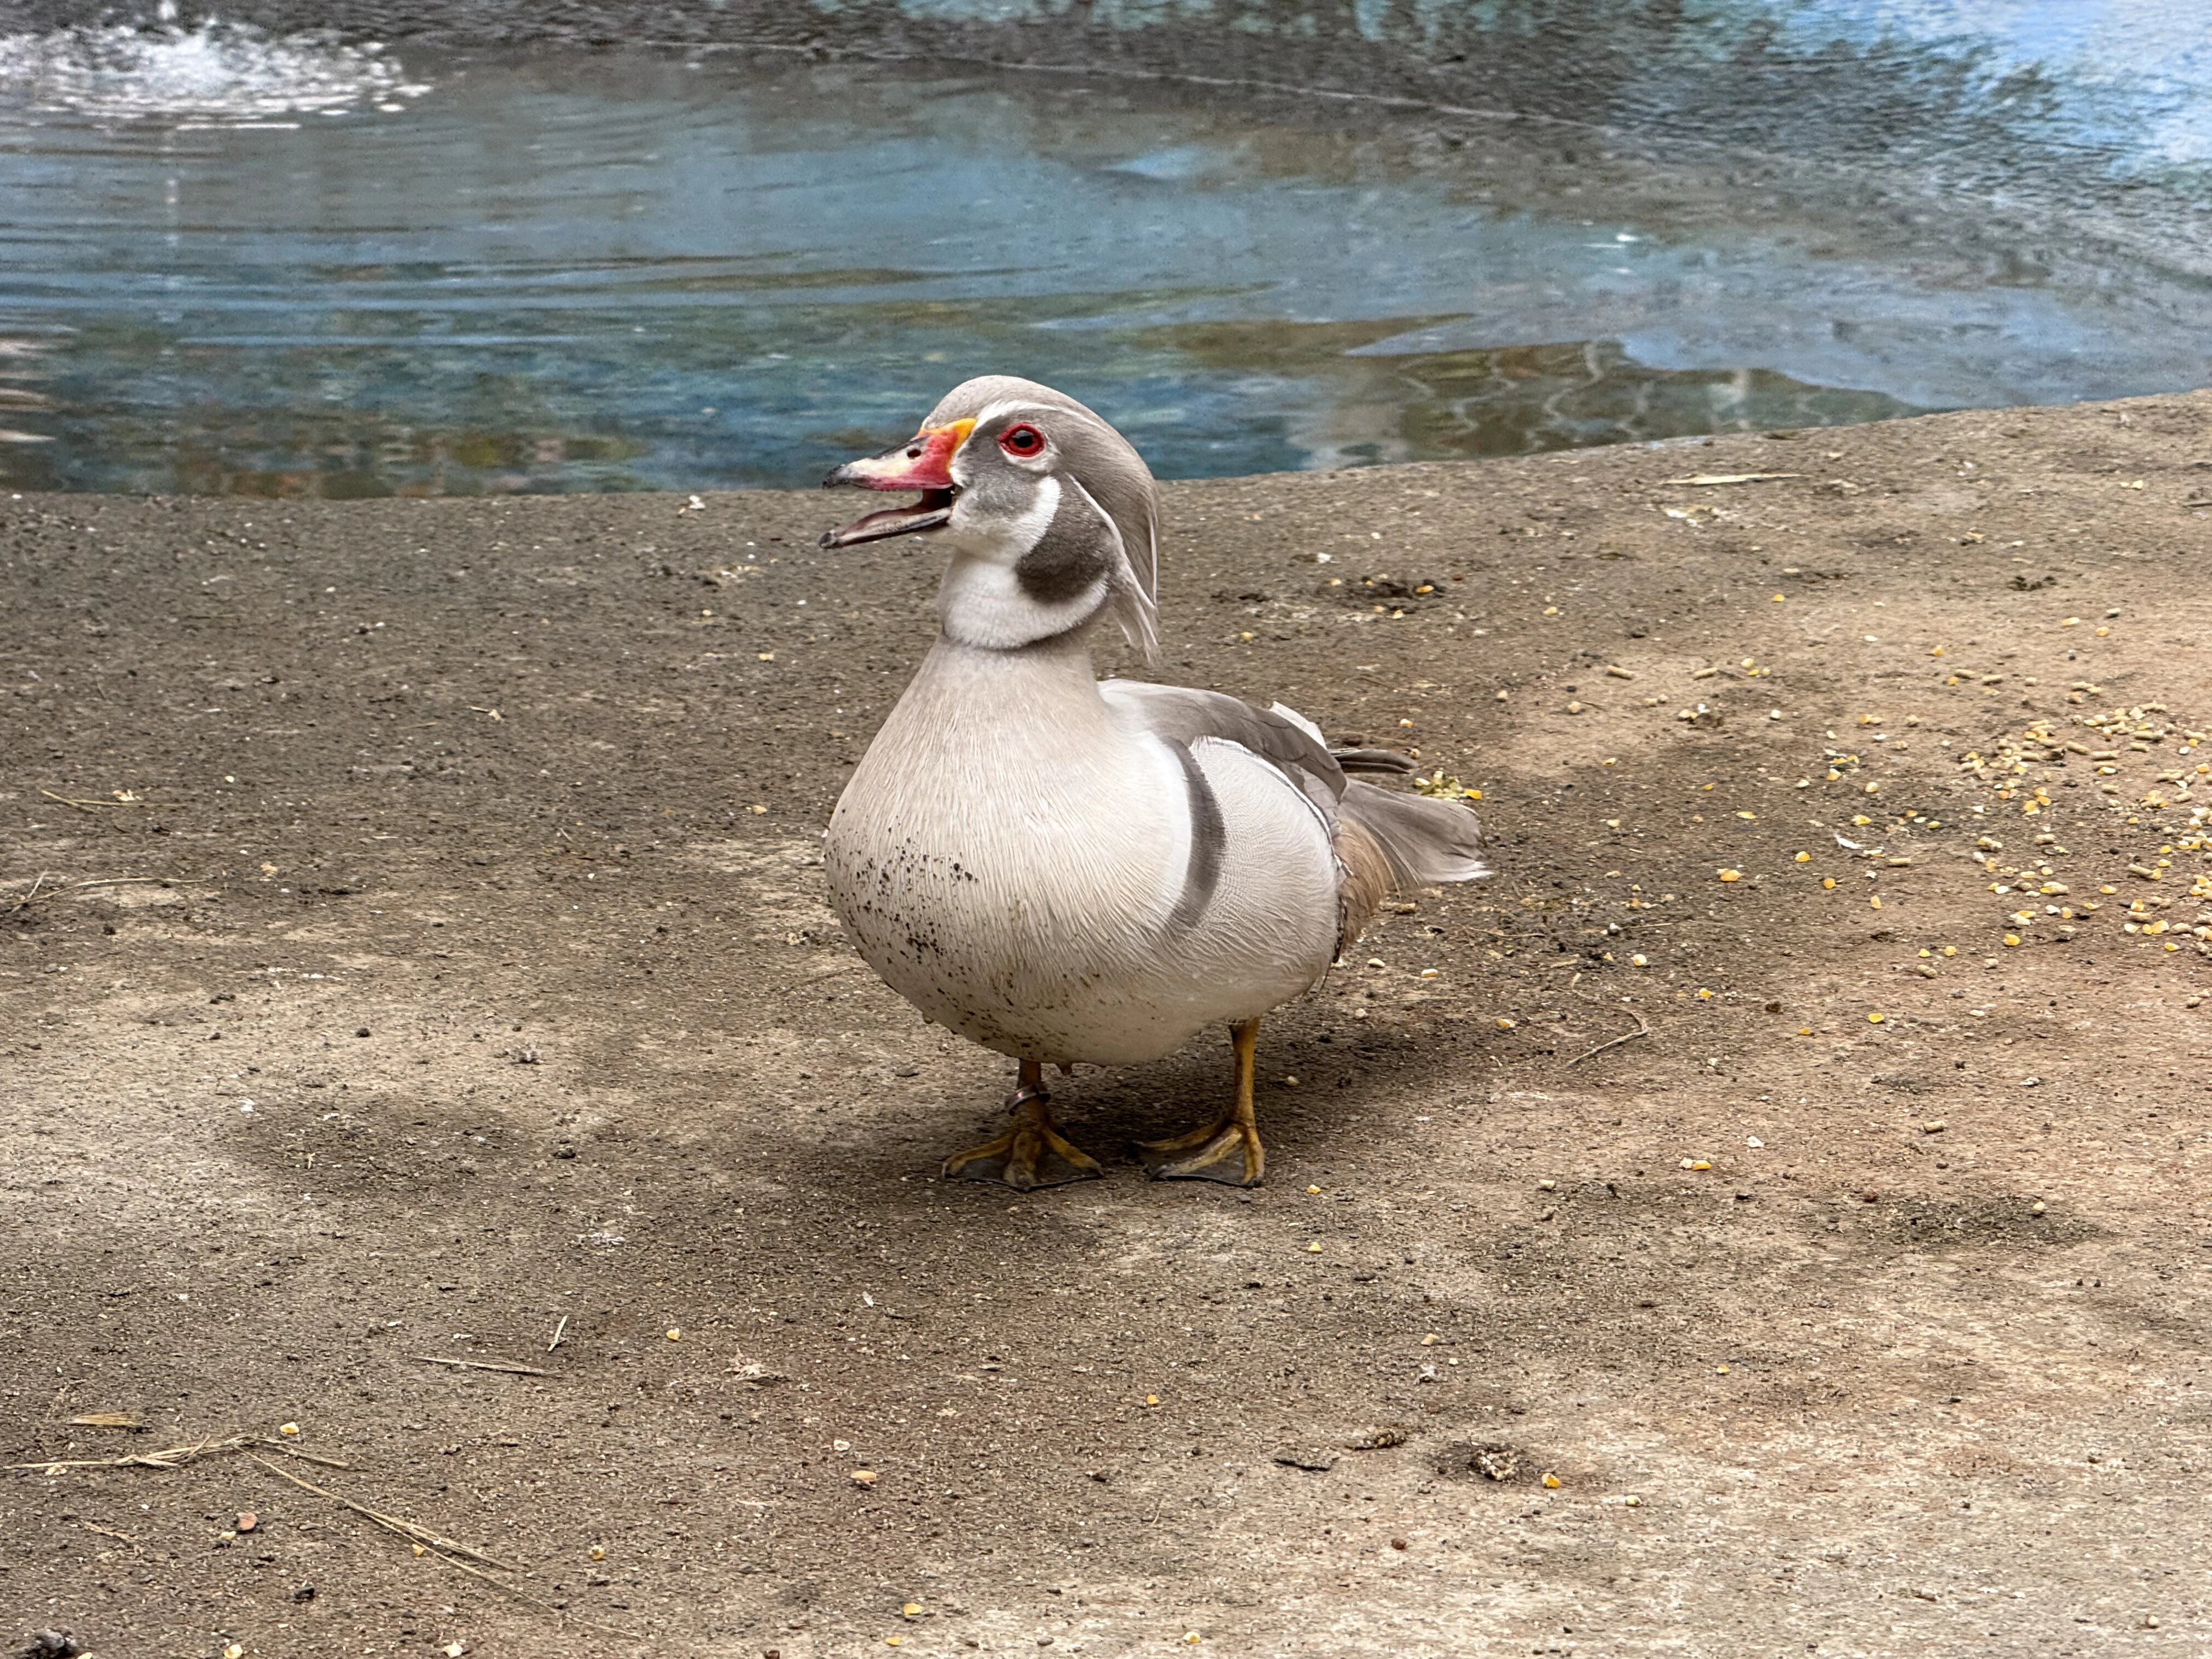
[(1788, 1175)]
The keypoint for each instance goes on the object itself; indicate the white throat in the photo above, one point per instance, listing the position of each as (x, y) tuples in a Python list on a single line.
[(981, 601)]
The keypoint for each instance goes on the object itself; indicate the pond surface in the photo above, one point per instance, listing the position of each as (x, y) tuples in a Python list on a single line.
[(233, 266)]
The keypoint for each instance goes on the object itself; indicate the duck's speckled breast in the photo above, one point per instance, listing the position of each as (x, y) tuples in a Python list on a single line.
[(1010, 855)]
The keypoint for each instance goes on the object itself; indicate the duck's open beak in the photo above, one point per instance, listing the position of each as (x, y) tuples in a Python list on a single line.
[(924, 463)]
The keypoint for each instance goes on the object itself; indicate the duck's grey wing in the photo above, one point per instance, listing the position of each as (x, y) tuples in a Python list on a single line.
[(1374, 760), (1186, 715), (1383, 840)]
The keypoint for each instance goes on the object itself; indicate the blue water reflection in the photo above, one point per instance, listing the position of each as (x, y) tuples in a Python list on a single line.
[(633, 271)]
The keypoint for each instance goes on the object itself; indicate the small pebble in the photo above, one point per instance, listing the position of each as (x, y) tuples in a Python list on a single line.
[(1382, 1439)]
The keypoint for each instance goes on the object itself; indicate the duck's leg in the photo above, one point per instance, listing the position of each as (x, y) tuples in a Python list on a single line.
[(1033, 1138), (1233, 1131)]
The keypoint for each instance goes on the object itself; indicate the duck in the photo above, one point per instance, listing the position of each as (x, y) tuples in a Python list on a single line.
[(1069, 870)]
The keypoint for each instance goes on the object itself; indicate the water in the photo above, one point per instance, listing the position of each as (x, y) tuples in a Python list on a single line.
[(233, 266)]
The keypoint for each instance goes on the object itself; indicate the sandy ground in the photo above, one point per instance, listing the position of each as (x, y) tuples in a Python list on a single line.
[(416, 952)]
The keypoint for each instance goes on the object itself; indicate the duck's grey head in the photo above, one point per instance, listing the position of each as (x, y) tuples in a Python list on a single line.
[(1048, 515)]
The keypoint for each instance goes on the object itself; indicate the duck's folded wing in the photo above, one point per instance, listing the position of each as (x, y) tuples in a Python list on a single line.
[(1374, 760), (1383, 840), (1184, 714)]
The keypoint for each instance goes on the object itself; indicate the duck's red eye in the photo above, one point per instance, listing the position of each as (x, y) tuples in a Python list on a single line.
[(1022, 441)]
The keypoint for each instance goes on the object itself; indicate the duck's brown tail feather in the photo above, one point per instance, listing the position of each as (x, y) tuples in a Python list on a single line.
[(1387, 841)]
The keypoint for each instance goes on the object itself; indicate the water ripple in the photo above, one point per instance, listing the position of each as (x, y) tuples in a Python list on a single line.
[(234, 263)]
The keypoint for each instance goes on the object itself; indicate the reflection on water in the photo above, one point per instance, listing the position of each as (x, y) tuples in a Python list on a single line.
[(1505, 400), (211, 72), (248, 267)]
